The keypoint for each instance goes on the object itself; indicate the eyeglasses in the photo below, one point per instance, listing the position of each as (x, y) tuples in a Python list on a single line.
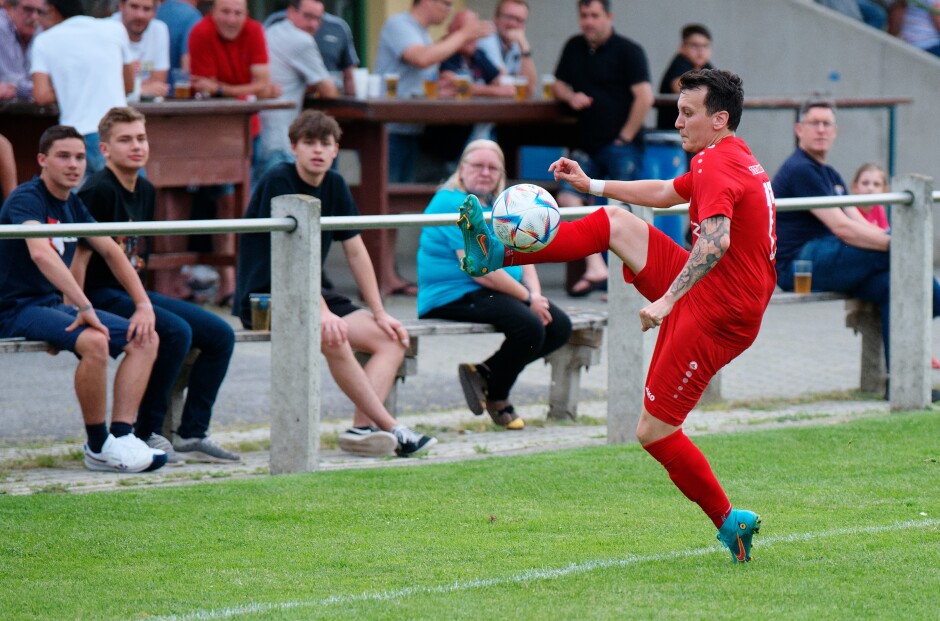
[(478, 168), (819, 124), (511, 18)]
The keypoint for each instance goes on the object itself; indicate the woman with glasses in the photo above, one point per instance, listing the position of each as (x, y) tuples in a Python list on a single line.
[(510, 299)]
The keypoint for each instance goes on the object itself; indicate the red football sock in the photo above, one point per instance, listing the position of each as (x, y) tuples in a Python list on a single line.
[(689, 470), (574, 240)]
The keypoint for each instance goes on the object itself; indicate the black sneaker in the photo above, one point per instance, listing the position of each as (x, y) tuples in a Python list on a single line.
[(411, 443), (473, 380)]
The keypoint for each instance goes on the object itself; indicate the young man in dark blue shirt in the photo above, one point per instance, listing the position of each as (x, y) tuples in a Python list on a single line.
[(36, 276)]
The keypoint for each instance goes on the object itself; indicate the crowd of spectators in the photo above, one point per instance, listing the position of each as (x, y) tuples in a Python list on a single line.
[(142, 47)]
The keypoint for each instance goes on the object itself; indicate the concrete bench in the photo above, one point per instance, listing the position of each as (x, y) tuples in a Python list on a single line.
[(582, 350)]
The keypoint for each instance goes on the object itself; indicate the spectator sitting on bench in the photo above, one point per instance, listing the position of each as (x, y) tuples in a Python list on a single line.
[(119, 194), (872, 179), (509, 299), (344, 327), (34, 278), (849, 254)]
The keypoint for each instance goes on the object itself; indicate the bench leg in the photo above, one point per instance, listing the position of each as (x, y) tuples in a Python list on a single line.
[(712, 392), (408, 367), (174, 414), (566, 384), (582, 350), (873, 373)]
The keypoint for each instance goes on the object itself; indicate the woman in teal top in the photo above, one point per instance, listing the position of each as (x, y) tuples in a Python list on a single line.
[(511, 299)]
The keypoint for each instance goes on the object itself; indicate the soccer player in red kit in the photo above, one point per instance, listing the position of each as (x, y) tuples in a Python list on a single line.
[(707, 302)]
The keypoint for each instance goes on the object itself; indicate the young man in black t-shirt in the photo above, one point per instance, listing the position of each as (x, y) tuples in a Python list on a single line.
[(118, 193), (33, 281), (344, 327)]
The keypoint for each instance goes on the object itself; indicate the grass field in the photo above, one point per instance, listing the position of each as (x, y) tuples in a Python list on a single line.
[(851, 530)]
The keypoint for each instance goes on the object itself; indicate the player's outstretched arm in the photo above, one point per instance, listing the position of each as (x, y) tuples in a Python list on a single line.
[(648, 192), (714, 240)]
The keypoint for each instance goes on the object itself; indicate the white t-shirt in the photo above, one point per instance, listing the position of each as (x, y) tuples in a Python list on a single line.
[(295, 62), (153, 49), (84, 57)]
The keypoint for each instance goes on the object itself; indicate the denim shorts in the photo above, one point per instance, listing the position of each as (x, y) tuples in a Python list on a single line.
[(47, 322)]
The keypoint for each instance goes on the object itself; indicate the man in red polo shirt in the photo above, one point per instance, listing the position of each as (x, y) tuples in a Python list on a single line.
[(228, 54), (228, 57)]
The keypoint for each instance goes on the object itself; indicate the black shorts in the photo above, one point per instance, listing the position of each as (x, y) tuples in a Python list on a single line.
[(338, 304)]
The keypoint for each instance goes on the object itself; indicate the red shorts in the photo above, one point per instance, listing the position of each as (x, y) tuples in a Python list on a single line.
[(684, 359)]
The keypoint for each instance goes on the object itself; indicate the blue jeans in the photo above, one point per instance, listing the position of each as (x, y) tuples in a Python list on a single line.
[(180, 326), (94, 159), (864, 274), (527, 339), (621, 162), (403, 150)]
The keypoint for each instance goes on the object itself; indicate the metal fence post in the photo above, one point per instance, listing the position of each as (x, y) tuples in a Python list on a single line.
[(295, 336), (626, 361), (911, 294)]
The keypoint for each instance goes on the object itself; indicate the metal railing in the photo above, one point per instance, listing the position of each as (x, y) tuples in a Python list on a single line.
[(295, 337)]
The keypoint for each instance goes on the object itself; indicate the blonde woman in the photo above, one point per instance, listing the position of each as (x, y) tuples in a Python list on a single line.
[(510, 299)]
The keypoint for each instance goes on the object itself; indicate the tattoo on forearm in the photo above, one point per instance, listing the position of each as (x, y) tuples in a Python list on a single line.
[(705, 254)]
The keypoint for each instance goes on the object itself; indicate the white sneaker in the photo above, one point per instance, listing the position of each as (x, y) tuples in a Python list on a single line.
[(125, 454), (367, 442)]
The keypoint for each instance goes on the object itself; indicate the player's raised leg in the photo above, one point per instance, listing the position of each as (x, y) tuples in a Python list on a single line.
[(484, 253)]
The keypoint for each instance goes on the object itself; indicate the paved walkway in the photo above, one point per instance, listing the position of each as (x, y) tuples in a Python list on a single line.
[(802, 351)]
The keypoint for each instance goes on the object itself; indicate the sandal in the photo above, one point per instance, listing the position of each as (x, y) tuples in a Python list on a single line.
[(474, 386), (585, 286), (504, 416), (408, 289)]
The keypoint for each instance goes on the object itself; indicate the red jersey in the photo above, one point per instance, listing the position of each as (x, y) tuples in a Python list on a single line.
[(229, 62), (726, 180)]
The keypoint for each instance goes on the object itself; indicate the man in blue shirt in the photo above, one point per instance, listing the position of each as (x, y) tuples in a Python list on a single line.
[(33, 282), (848, 253), (180, 16)]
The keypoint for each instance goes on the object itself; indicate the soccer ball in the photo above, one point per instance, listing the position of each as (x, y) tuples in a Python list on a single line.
[(525, 217)]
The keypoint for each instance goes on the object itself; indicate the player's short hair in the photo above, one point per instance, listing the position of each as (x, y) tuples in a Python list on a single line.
[(313, 125), (604, 3), (690, 30), (725, 92), (114, 116), (816, 102), (68, 8), (57, 132)]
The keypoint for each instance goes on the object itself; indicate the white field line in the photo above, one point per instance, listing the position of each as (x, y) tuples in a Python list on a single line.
[(528, 575)]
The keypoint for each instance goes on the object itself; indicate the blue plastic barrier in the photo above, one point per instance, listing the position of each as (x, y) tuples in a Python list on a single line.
[(664, 158)]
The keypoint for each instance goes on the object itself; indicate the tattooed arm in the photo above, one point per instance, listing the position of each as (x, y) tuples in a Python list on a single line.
[(714, 240)]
